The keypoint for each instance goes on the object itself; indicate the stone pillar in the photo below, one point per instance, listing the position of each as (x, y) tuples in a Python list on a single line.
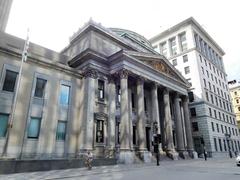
[(126, 156), (188, 128), (88, 111), (140, 115), (141, 128), (155, 110), (168, 125), (111, 117), (179, 125)]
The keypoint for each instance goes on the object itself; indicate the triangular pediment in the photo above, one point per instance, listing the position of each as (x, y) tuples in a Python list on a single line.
[(157, 62)]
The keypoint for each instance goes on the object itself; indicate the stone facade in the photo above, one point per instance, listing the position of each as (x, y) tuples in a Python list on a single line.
[(198, 57), (102, 93), (234, 87)]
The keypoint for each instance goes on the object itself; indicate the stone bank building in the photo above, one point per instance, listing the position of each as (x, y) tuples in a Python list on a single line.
[(103, 93)]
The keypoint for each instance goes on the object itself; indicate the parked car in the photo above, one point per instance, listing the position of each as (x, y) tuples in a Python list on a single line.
[(238, 160)]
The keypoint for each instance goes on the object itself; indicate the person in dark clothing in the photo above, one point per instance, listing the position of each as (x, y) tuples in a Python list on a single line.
[(205, 153)]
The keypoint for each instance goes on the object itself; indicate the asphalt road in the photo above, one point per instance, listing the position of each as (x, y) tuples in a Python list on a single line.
[(213, 169)]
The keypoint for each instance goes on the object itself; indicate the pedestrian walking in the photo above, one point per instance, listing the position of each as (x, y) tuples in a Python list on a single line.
[(205, 153), (89, 159)]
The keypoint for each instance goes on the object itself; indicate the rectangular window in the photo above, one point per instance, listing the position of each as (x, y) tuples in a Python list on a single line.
[(163, 48), (34, 128), (100, 89), (217, 127), (64, 95), (183, 41), (207, 96), (224, 143), (174, 62), (193, 112), (191, 96), (212, 127), (185, 58), (195, 126), (40, 87), (133, 101), (220, 144), (99, 131), (173, 46), (61, 130), (222, 128), (210, 112), (215, 143), (10, 81), (3, 124), (134, 135), (187, 70)]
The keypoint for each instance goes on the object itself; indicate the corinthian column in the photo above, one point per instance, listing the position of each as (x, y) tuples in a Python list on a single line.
[(179, 126), (188, 128), (87, 123), (155, 110), (111, 116), (125, 156), (140, 114), (168, 125)]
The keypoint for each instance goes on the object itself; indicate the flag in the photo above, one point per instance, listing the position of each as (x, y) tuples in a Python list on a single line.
[(26, 46)]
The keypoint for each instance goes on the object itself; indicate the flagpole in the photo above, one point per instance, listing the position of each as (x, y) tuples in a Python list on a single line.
[(11, 117)]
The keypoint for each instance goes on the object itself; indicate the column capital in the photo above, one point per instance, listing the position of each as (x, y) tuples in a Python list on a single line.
[(92, 73), (154, 85), (185, 98), (123, 73), (140, 80), (111, 79)]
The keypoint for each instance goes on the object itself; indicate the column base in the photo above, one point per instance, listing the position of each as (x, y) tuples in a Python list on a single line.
[(184, 154), (193, 154), (109, 153), (172, 154), (126, 157), (145, 156)]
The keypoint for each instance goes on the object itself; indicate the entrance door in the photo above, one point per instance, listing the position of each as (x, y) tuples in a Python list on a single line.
[(148, 140)]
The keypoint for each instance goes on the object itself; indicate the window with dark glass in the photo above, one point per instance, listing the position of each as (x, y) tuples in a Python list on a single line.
[(134, 135), (185, 58), (101, 89), (99, 131), (187, 70), (34, 128), (220, 144), (224, 143), (64, 95), (217, 127), (40, 87), (215, 143), (212, 126), (193, 112), (10, 81), (61, 130), (174, 62), (195, 126), (133, 101), (3, 124), (191, 96), (145, 104)]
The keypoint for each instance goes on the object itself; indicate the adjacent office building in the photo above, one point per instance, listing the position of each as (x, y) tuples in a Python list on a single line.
[(198, 57), (234, 87)]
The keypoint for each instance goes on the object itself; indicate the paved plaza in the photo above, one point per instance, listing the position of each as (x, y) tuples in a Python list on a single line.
[(199, 169)]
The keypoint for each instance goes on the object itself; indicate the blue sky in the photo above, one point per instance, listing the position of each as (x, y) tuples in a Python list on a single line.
[(52, 22)]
